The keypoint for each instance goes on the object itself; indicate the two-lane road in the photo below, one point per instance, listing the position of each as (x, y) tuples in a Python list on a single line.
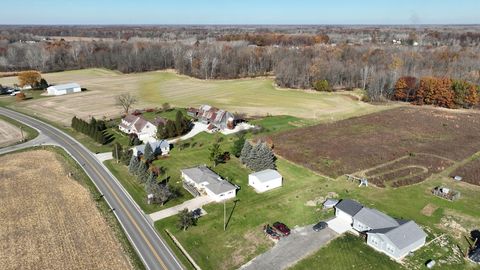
[(153, 251)]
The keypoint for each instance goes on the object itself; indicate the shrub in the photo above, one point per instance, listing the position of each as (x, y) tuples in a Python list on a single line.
[(322, 85)]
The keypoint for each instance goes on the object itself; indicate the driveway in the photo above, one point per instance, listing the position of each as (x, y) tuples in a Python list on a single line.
[(291, 249), (197, 128), (192, 204)]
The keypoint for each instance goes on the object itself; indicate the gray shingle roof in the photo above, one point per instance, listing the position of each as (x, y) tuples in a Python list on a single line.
[(474, 255), (66, 86), (266, 175), (215, 183), (375, 219), (403, 235), (350, 207)]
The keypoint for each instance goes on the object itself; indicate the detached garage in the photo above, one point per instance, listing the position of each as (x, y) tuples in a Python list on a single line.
[(265, 180), (63, 89)]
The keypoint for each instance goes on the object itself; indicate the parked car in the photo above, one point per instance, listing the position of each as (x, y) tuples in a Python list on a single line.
[(268, 230), (282, 228), (320, 226), (14, 93)]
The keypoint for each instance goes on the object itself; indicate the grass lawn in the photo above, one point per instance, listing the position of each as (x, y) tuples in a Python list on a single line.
[(272, 124), (347, 252), (169, 114), (214, 249)]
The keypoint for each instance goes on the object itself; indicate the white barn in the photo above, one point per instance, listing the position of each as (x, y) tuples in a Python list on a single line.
[(265, 180), (63, 89)]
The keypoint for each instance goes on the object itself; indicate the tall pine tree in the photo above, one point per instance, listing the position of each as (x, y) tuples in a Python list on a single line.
[(133, 165)]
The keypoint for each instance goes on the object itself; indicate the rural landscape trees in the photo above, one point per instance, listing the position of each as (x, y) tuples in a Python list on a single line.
[(257, 157)]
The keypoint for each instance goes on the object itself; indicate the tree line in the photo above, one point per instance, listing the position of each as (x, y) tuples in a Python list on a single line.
[(438, 91), (95, 129)]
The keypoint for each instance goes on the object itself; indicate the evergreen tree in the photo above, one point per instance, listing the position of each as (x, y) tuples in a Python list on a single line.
[(117, 151), (215, 153), (161, 131), (253, 157), (179, 123), (74, 123), (127, 153), (142, 172), (133, 165), (170, 129), (151, 180), (238, 146), (266, 158), (245, 153), (148, 153)]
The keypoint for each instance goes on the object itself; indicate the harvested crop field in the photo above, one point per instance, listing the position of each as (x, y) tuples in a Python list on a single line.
[(400, 146), (9, 134), (257, 96), (49, 221), (470, 172)]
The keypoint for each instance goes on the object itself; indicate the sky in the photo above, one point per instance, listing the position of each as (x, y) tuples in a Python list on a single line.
[(240, 12)]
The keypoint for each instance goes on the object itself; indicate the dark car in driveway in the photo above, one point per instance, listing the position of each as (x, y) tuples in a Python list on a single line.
[(282, 228), (320, 226)]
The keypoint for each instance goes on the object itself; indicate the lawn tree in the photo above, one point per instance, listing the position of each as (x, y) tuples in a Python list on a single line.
[(161, 193), (215, 154), (166, 106), (245, 153), (171, 131), (148, 153), (151, 180), (126, 101), (133, 165), (142, 172), (161, 131), (30, 77), (266, 158), (185, 219), (117, 151), (238, 145)]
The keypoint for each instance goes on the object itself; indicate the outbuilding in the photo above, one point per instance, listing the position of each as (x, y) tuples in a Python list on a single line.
[(265, 180), (63, 89)]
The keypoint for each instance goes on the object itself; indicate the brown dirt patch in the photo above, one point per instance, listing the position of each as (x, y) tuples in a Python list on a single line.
[(49, 221), (470, 172), (359, 143), (429, 209), (9, 134)]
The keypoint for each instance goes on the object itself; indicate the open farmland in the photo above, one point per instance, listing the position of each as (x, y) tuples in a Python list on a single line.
[(470, 172), (251, 96), (49, 221), (395, 147), (9, 134)]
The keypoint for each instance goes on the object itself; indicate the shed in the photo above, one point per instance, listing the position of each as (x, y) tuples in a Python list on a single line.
[(265, 180), (63, 89)]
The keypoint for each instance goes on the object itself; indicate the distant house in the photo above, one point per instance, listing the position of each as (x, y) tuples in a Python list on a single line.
[(394, 237), (161, 147), (215, 117), (63, 89), (265, 180), (201, 180), (132, 124)]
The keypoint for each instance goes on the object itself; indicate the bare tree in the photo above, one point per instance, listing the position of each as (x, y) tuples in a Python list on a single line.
[(126, 101)]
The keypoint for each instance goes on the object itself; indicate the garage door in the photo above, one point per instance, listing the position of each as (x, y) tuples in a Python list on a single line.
[(339, 225)]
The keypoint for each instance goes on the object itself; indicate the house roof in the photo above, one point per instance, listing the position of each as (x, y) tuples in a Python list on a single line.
[(154, 144), (266, 175), (375, 219), (474, 255), (133, 120), (350, 207), (65, 86), (215, 183), (402, 235), (140, 123)]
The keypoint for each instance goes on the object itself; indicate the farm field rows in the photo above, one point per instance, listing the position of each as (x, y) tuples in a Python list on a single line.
[(419, 142), (256, 96), (49, 220)]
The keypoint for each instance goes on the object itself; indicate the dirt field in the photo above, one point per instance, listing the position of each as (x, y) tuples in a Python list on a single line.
[(400, 146), (250, 96), (9, 134), (470, 172), (49, 221)]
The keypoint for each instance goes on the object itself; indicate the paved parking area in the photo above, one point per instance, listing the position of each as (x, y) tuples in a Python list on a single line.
[(289, 250)]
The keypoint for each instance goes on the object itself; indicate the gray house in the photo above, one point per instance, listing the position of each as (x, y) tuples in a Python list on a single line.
[(394, 237), (397, 241)]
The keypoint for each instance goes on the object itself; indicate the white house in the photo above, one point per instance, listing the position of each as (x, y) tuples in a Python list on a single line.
[(161, 147), (63, 89), (202, 181), (132, 124), (265, 180), (394, 237)]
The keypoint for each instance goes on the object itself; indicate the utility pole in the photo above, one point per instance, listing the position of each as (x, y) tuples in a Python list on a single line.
[(116, 151), (21, 131), (224, 216)]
